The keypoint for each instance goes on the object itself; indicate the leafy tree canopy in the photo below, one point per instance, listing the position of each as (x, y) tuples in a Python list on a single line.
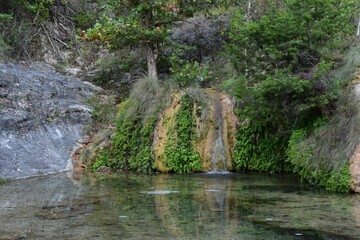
[(144, 23)]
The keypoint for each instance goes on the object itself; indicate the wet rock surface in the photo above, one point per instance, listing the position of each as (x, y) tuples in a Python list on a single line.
[(41, 119)]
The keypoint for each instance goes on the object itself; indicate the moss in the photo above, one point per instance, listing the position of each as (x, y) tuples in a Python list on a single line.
[(180, 154)]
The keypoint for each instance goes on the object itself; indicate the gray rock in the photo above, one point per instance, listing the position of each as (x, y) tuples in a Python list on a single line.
[(41, 120), (202, 33)]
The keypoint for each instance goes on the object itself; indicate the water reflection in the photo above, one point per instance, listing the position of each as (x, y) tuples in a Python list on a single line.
[(127, 206)]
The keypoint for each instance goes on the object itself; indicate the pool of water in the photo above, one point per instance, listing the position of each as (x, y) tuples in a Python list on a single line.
[(200, 206)]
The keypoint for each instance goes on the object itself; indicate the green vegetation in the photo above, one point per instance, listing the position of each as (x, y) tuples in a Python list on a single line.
[(257, 150), (179, 150), (131, 148), (283, 67), (317, 171), (287, 58), (2, 181), (104, 111), (143, 23), (288, 63)]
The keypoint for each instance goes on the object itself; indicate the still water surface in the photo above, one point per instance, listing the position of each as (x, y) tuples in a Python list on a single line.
[(204, 206)]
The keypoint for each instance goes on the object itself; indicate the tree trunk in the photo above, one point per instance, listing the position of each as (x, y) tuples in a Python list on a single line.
[(151, 61), (248, 18), (358, 29), (151, 48)]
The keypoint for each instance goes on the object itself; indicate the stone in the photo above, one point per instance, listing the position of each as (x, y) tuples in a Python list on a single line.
[(355, 170), (41, 119)]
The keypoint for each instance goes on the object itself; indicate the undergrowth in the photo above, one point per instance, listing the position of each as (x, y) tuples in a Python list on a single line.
[(257, 150), (316, 169), (103, 111), (131, 147)]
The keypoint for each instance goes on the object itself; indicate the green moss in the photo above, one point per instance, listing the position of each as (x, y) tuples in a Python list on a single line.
[(180, 155)]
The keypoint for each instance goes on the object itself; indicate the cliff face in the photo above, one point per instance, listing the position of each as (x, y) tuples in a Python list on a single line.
[(41, 120), (215, 127), (355, 158)]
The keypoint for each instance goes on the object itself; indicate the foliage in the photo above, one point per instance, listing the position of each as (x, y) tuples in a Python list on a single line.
[(137, 117), (257, 150), (119, 71), (281, 102), (103, 110), (284, 59), (2, 181), (321, 154), (102, 160), (187, 72), (295, 37), (4, 48), (5, 17), (180, 155), (143, 23), (84, 20), (37, 8), (301, 153), (132, 144)]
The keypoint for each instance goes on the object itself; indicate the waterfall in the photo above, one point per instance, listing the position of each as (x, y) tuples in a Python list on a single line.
[(218, 158), (214, 131)]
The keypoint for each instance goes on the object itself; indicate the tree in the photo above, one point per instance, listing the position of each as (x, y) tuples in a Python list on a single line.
[(285, 57), (144, 23)]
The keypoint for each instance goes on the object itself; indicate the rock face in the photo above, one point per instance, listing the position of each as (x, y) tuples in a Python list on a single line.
[(216, 143), (203, 34), (215, 132), (355, 157), (41, 120), (355, 170)]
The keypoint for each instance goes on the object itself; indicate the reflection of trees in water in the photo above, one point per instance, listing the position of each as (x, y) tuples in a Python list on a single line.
[(200, 209)]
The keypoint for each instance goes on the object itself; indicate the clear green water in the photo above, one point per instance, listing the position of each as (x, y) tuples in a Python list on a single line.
[(127, 206)]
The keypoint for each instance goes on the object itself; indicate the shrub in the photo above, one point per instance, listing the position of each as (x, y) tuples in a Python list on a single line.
[(137, 117), (257, 150)]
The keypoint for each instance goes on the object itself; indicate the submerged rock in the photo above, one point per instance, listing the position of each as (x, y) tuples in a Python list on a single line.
[(41, 120)]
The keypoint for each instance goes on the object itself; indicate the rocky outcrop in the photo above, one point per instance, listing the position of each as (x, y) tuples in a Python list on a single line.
[(355, 158), (215, 131), (202, 34), (355, 170), (217, 134), (41, 119)]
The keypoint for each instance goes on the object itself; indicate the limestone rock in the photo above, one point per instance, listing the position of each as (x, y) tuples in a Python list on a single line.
[(355, 170), (41, 120), (215, 130)]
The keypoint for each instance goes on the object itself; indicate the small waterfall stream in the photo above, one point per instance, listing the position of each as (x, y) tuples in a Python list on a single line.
[(218, 155), (215, 131)]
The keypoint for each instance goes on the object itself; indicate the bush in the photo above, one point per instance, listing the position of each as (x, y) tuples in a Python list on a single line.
[(137, 117), (312, 168), (257, 150), (104, 110)]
